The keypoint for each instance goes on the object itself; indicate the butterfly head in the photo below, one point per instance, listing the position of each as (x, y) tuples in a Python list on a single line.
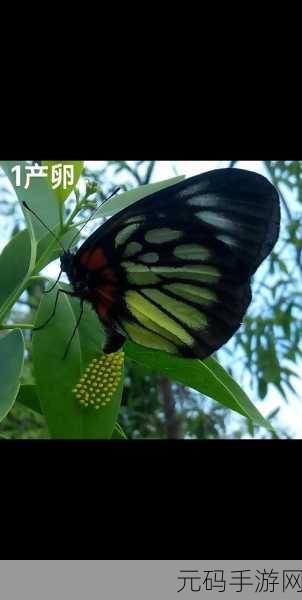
[(68, 266)]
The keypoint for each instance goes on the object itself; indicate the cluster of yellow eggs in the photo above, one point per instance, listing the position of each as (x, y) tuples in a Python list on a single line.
[(100, 380)]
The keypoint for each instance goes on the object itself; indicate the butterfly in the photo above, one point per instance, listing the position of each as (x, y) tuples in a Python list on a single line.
[(173, 271)]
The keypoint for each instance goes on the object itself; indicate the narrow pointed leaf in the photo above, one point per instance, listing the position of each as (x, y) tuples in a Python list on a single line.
[(39, 196), (207, 377), (11, 364), (117, 203), (61, 192)]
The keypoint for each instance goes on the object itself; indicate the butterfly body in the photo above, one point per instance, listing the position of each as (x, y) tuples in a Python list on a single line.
[(173, 270)]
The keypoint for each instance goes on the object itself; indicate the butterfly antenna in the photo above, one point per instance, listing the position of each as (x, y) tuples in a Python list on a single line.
[(74, 331), (91, 216), (52, 287), (44, 225)]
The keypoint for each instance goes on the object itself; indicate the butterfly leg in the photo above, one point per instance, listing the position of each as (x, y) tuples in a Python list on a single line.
[(54, 309), (74, 331), (52, 287)]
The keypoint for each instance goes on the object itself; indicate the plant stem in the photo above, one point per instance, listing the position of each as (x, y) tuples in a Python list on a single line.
[(61, 216), (40, 264), (172, 421), (17, 326)]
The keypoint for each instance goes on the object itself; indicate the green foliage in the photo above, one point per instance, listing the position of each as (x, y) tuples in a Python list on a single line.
[(16, 255), (11, 362), (63, 193), (56, 378), (162, 396), (115, 204), (207, 377), (40, 197), (23, 423)]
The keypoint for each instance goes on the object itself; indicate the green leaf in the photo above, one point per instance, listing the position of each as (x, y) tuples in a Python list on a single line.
[(273, 413), (28, 396), (290, 372), (39, 196), (15, 263), (250, 427), (117, 203), (281, 390), (56, 378), (282, 266), (207, 377), (118, 433), (14, 266), (61, 193), (11, 364), (291, 387)]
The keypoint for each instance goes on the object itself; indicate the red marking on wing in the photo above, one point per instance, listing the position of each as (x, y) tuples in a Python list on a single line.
[(109, 275), (102, 310), (96, 260), (107, 294)]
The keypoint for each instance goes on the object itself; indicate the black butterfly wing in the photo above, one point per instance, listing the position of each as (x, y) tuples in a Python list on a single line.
[(180, 262)]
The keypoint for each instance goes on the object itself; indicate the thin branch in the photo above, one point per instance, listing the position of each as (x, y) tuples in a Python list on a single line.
[(149, 171), (172, 421), (17, 326)]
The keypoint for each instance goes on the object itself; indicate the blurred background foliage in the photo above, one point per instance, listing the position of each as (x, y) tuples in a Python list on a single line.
[(264, 355)]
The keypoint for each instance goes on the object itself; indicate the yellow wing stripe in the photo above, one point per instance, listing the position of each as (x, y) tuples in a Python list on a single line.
[(132, 248), (149, 257), (191, 252), (186, 313), (139, 274), (136, 303), (204, 273), (125, 234), (149, 324), (162, 235), (142, 336), (142, 278), (193, 293)]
